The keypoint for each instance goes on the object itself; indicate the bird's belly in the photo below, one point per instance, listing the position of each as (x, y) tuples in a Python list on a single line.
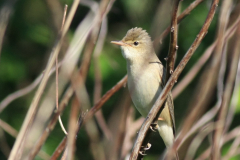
[(144, 92)]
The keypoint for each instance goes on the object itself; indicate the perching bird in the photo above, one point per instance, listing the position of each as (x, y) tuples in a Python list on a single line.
[(146, 79)]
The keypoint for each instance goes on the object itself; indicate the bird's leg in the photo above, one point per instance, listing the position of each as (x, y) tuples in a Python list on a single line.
[(160, 119)]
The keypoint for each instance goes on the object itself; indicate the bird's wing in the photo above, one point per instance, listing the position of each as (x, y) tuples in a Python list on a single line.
[(169, 101)]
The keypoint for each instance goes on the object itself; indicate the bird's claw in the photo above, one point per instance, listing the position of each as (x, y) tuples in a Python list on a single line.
[(154, 127), (147, 147), (142, 153)]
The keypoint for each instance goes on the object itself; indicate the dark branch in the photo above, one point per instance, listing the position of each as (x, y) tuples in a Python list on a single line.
[(173, 41), (179, 19)]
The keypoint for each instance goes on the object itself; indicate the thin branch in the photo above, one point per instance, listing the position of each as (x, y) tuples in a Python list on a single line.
[(9, 129), (233, 149), (59, 118), (198, 139), (211, 113), (226, 138), (18, 146), (98, 78), (72, 129), (22, 92), (198, 103), (59, 149), (132, 126), (90, 114), (235, 153), (226, 95), (173, 41), (157, 107), (196, 68), (51, 125), (105, 97), (234, 100), (179, 19), (96, 20)]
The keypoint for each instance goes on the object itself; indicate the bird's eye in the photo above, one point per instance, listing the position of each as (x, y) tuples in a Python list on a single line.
[(135, 43)]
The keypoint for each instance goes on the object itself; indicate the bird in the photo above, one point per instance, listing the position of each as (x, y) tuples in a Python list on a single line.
[(146, 79)]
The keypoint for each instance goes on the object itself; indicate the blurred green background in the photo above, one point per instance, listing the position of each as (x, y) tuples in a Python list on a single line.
[(30, 36)]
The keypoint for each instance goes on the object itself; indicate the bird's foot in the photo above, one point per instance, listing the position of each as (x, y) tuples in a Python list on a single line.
[(142, 153), (154, 127), (147, 147)]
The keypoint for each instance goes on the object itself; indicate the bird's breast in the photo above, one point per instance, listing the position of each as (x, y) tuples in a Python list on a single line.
[(144, 86)]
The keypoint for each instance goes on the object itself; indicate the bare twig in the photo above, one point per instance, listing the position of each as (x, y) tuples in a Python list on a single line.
[(90, 114), (211, 113), (132, 126), (157, 107), (59, 149), (105, 97), (179, 19), (74, 48), (98, 78), (234, 100), (226, 95), (196, 68), (59, 118), (173, 41), (72, 129), (13, 96), (4, 147), (17, 148), (226, 138), (117, 118), (52, 123), (234, 147), (8, 128), (91, 127), (198, 139)]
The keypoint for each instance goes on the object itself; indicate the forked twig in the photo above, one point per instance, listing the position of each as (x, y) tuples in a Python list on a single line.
[(173, 41), (179, 19)]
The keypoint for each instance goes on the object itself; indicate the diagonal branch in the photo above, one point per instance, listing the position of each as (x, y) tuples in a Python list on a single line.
[(18, 146), (226, 96), (179, 19), (173, 42), (157, 107), (196, 68)]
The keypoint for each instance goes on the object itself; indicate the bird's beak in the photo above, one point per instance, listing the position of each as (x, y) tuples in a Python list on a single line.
[(120, 43)]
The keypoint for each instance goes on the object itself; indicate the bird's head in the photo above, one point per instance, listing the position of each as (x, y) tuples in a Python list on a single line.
[(136, 44)]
